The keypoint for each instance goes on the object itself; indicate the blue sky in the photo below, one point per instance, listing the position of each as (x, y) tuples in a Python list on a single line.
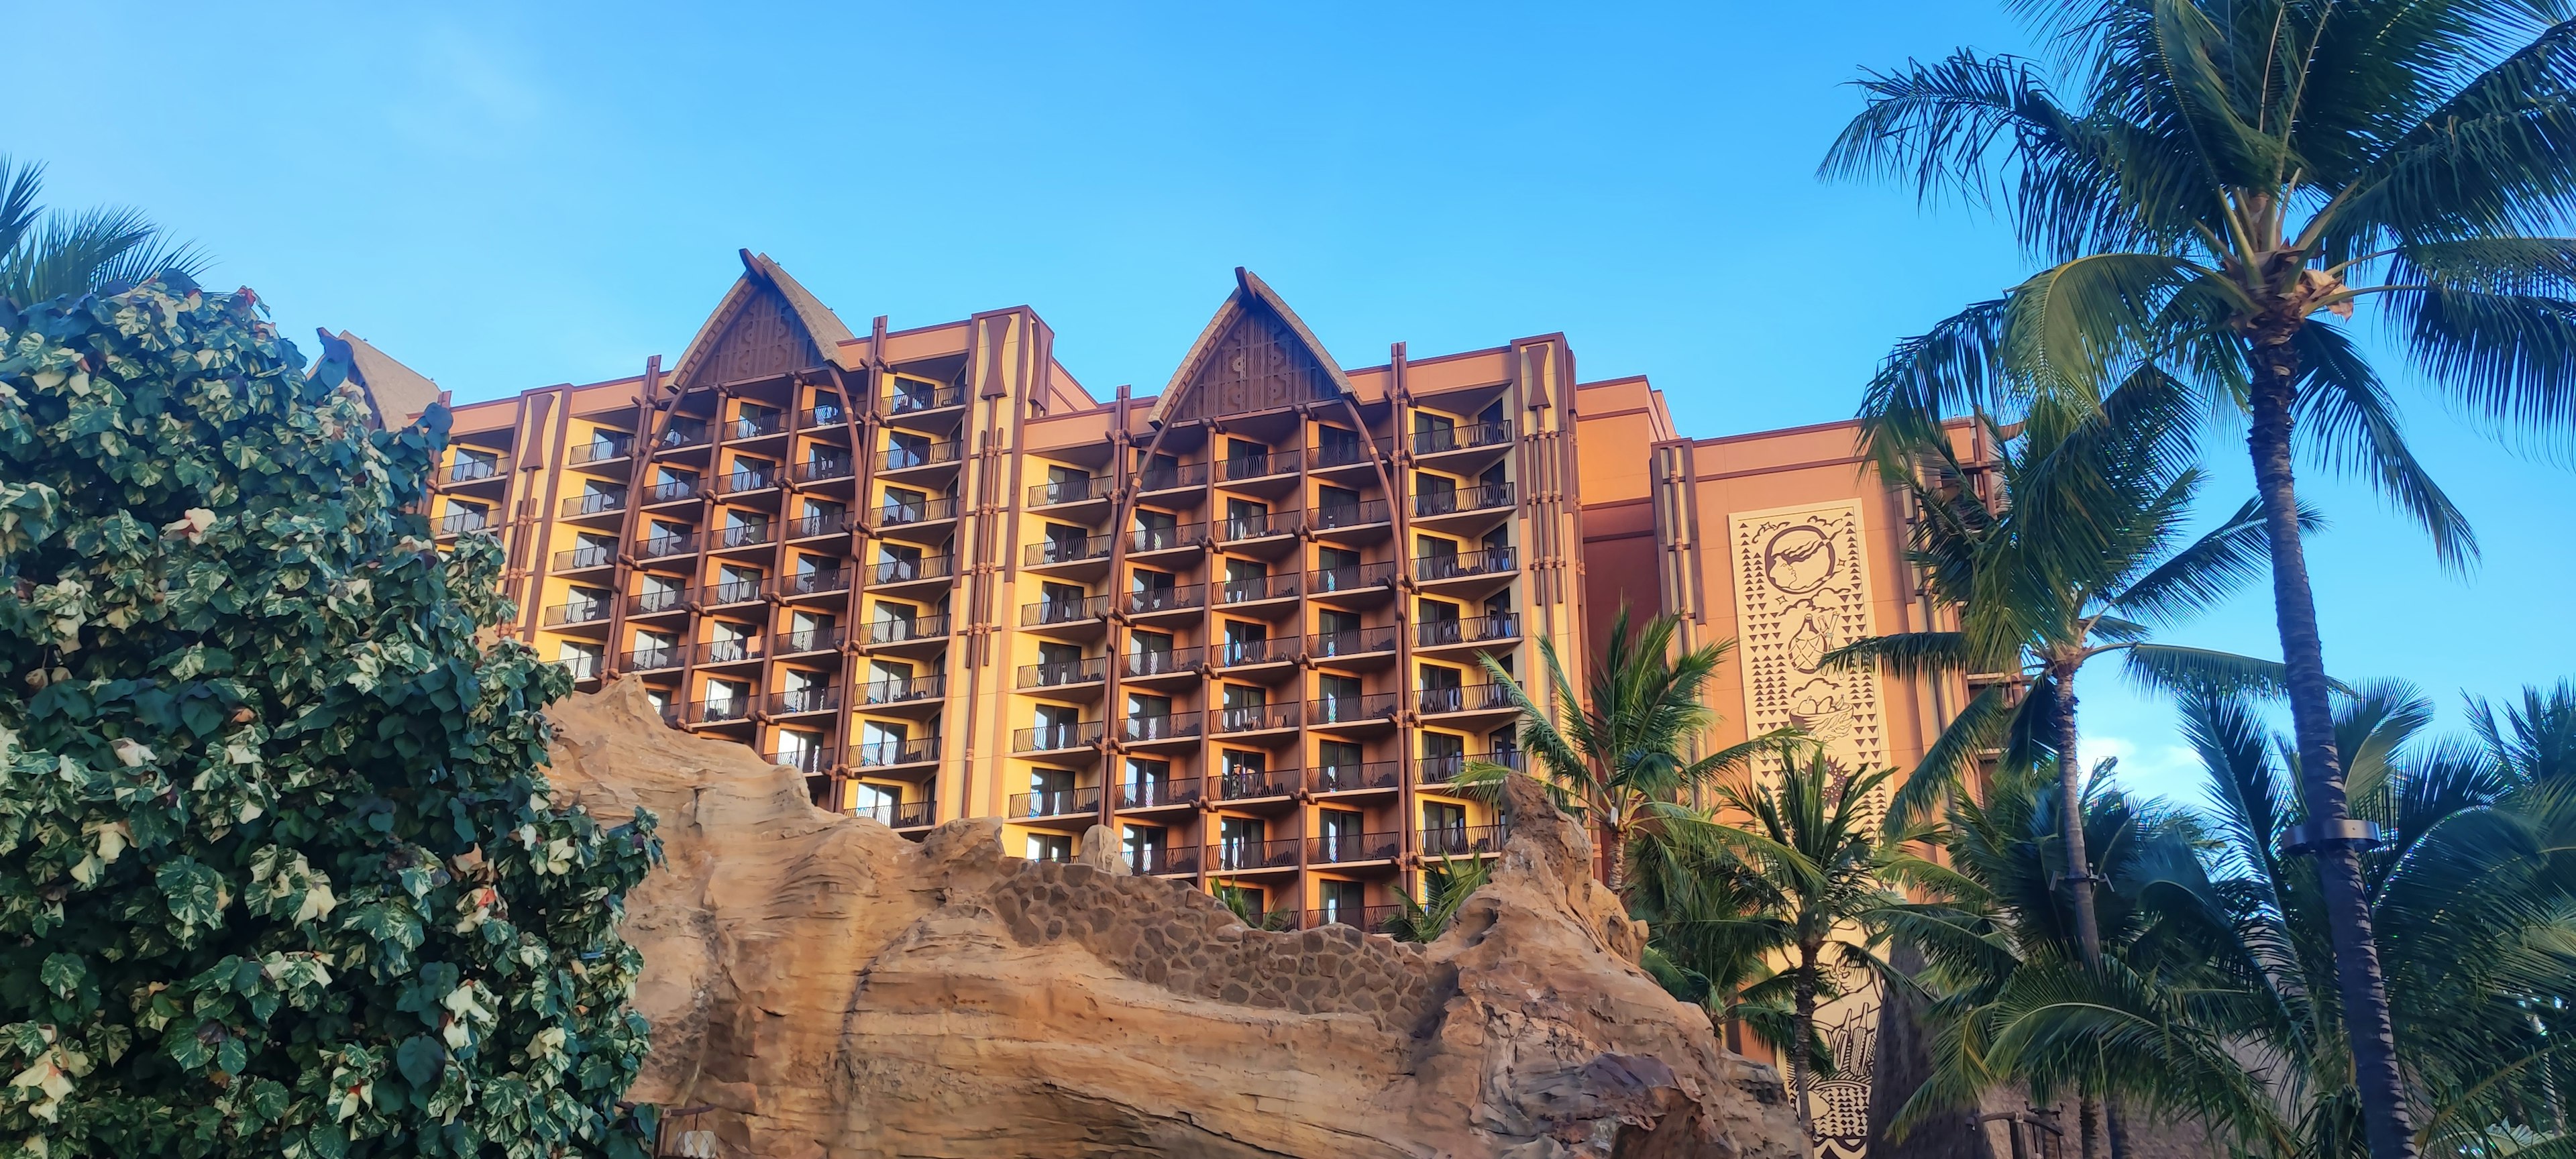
[(513, 196)]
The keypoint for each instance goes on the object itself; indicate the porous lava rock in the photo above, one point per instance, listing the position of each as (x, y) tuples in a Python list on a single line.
[(830, 988)]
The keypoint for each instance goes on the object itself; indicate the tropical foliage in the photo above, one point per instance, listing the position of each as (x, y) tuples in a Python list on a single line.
[(279, 869), (45, 255), (1447, 887)]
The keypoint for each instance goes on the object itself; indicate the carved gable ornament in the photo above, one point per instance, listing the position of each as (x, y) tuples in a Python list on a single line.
[(1254, 355)]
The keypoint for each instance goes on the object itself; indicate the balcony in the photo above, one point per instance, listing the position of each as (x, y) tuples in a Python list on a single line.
[(755, 426), (1352, 453), (1341, 516), (739, 651), (465, 470), (1255, 785), (746, 535), (1145, 540), (1238, 528), (904, 571), (582, 667), (601, 450), (1242, 468), (1371, 918), (1045, 612), (1471, 698), (823, 469), (1490, 561), (809, 760), (898, 815), (1069, 491), (1462, 840), (1165, 727), (1062, 673), (719, 711), (1070, 549), (1479, 498), (819, 698), (907, 631), (1172, 662), (462, 522), (1245, 855), (671, 491), (928, 510), (1171, 478), (808, 640), (1162, 794), (742, 480), (1464, 438), (815, 583), (1156, 601), (1347, 848), (596, 503), (912, 458), (593, 555), (663, 546), (911, 399), (579, 612), (817, 526), (653, 659), (1245, 653), (681, 433), (817, 417), (1474, 630), (1369, 776), (1354, 642), (902, 690), (1057, 738), (887, 754), (742, 591), (1358, 577), (1054, 803), (1371, 708), (1253, 591), (1444, 768), (1258, 718), (1148, 860), (652, 603)]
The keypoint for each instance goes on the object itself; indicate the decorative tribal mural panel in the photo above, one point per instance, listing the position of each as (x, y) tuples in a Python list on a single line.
[(1801, 591)]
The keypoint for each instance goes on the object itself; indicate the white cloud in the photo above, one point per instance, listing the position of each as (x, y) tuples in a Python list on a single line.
[(2162, 769)]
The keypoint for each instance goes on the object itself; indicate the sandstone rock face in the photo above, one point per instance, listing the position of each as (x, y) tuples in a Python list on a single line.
[(833, 989)]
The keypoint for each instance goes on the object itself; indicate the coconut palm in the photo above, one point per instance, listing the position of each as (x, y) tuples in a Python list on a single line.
[(1712, 939), (46, 254), (2231, 179), (1446, 888), (1612, 756)]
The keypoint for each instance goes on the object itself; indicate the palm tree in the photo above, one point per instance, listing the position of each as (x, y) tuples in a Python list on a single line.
[(1619, 752), (1446, 889), (1818, 858), (1711, 939), (46, 254), (2080, 557), (2233, 178)]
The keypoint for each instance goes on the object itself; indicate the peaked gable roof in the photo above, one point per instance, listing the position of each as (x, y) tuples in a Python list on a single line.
[(767, 322), (1254, 354), (396, 392)]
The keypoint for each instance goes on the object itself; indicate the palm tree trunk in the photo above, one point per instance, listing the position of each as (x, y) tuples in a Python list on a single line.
[(1803, 1031), (2070, 818), (2357, 975)]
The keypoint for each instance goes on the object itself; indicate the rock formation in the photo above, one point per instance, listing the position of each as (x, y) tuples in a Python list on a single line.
[(834, 989)]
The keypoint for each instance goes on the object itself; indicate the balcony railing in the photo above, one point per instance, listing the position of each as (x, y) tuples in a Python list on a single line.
[(1351, 577), (810, 526), (1365, 513), (582, 667), (681, 434), (756, 479), (1063, 611), (901, 631), (1269, 587), (1371, 918), (815, 583), (601, 450), (1241, 467), (902, 689), (1462, 438), (888, 753), (1160, 663), (753, 426), (819, 698), (1068, 550), (1259, 718), (652, 659), (1249, 785), (1246, 854), (810, 760), (823, 415), (1154, 859), (656, 546), (747, 534), (1165, 538), (1059, 673), (1240, 527), (899, 571), (902, 458), (1236, 653), (1344, 848), (1174, 598), (465, 470), (1068, 491), (1157, 794), (904, 400), (595, 503), (898, 815), (579, 612), (740, 591), (1470, 698), (927, 510), (1462, 840), (1167, 726), (587, 556), (809, 640), (463, 521), (729, 651), (1172, 478), (1056, 738), (819, 469), (648, 603), (1446, 767), (1439, 567), (714, 711), (1476, 629), (1353, 778), (671, 490), (1326, 455), (1365, 709), (1476, 498), (1352, 642)]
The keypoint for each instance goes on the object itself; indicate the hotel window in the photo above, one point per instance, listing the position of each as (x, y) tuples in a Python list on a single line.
[(809, 632), (906, 449), (590, 550), (1444, 827), (802, 751), (1433, 432), (1336, 633), (1336, 445), (1245, 898), (1245, 519), (585, 604), (1240, 842), (1338, 569), (1337, 765), (1051, 793), (1153, 711), (1148, 848), (1156, 530), (878, 801), (670, 483), (1245, 706), (1339, 697), (1059, 601), (897, 562), (745, 528), (727, 699), (1246, 579), (582, 660), (822, 517), (465, 516), (736, 584), (608, 444), (1443, 756), (1341, 901), (1337, 834), (597, 496), (474, 464), (1050, 847), (1337, 506), (1058, 726), (657, 650), (906, 505), (1149, 653), (1067, 484), (1148, 782), (1246, 642), (805, 691), (1059, 663), (882, 742), (660, 593), (728, 641)]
